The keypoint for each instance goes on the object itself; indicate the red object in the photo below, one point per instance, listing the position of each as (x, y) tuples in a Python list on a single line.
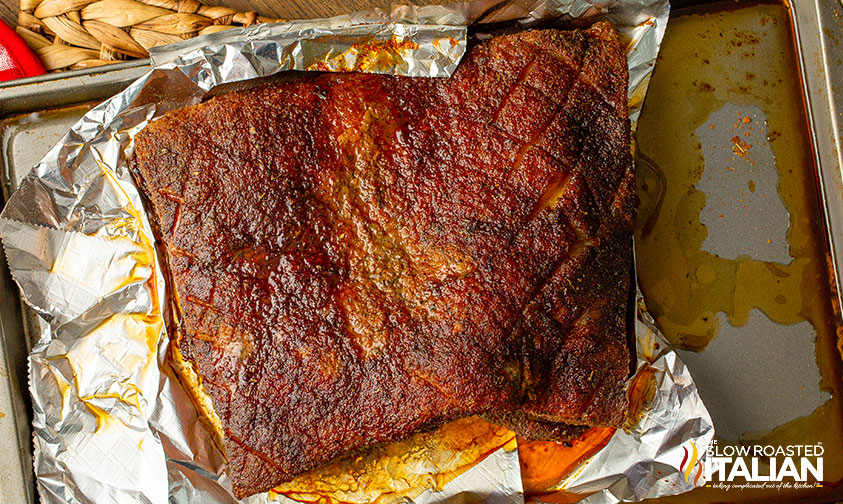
[(16, 58)]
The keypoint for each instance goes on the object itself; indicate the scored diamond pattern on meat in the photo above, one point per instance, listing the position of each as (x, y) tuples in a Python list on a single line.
[(355, 257)]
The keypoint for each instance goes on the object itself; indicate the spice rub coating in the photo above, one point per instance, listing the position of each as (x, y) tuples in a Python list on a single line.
[(354, 257)]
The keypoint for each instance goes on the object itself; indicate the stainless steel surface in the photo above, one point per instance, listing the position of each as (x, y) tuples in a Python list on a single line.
[(16, 477), (745, 373), (747, 370), (81, 72), (24, 140), (66, 88), (740, 183), (818, 26), (741, 227), (81, 251)]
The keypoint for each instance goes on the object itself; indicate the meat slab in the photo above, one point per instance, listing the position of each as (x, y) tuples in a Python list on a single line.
[(355, 257)]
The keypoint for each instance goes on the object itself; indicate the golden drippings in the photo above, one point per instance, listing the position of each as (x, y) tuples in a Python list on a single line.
[(642, 389), (744, 56), (371, 56), (545, 463), (405, 469)]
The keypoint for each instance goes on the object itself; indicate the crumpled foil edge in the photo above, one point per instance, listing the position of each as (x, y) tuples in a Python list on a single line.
[(675, 412)]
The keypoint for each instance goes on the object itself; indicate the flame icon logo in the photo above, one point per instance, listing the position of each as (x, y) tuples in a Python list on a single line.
[(687, 466)]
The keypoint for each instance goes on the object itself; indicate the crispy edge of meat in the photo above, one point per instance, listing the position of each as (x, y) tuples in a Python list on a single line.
[(518, 421)]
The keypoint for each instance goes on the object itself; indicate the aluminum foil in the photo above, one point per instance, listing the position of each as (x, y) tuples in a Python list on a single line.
[(652, 456), (111, 421)]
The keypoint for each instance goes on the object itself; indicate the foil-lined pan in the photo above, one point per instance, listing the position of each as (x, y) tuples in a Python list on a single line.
[(112, 422)]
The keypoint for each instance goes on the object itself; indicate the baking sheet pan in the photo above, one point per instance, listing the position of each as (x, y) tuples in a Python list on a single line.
[(25, 139), (817, 25), (739, 176)]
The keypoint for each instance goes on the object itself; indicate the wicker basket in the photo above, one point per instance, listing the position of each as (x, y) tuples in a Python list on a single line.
[(70, 34)]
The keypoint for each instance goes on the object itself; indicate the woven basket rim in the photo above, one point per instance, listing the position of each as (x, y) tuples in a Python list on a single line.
[(71, 34)]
